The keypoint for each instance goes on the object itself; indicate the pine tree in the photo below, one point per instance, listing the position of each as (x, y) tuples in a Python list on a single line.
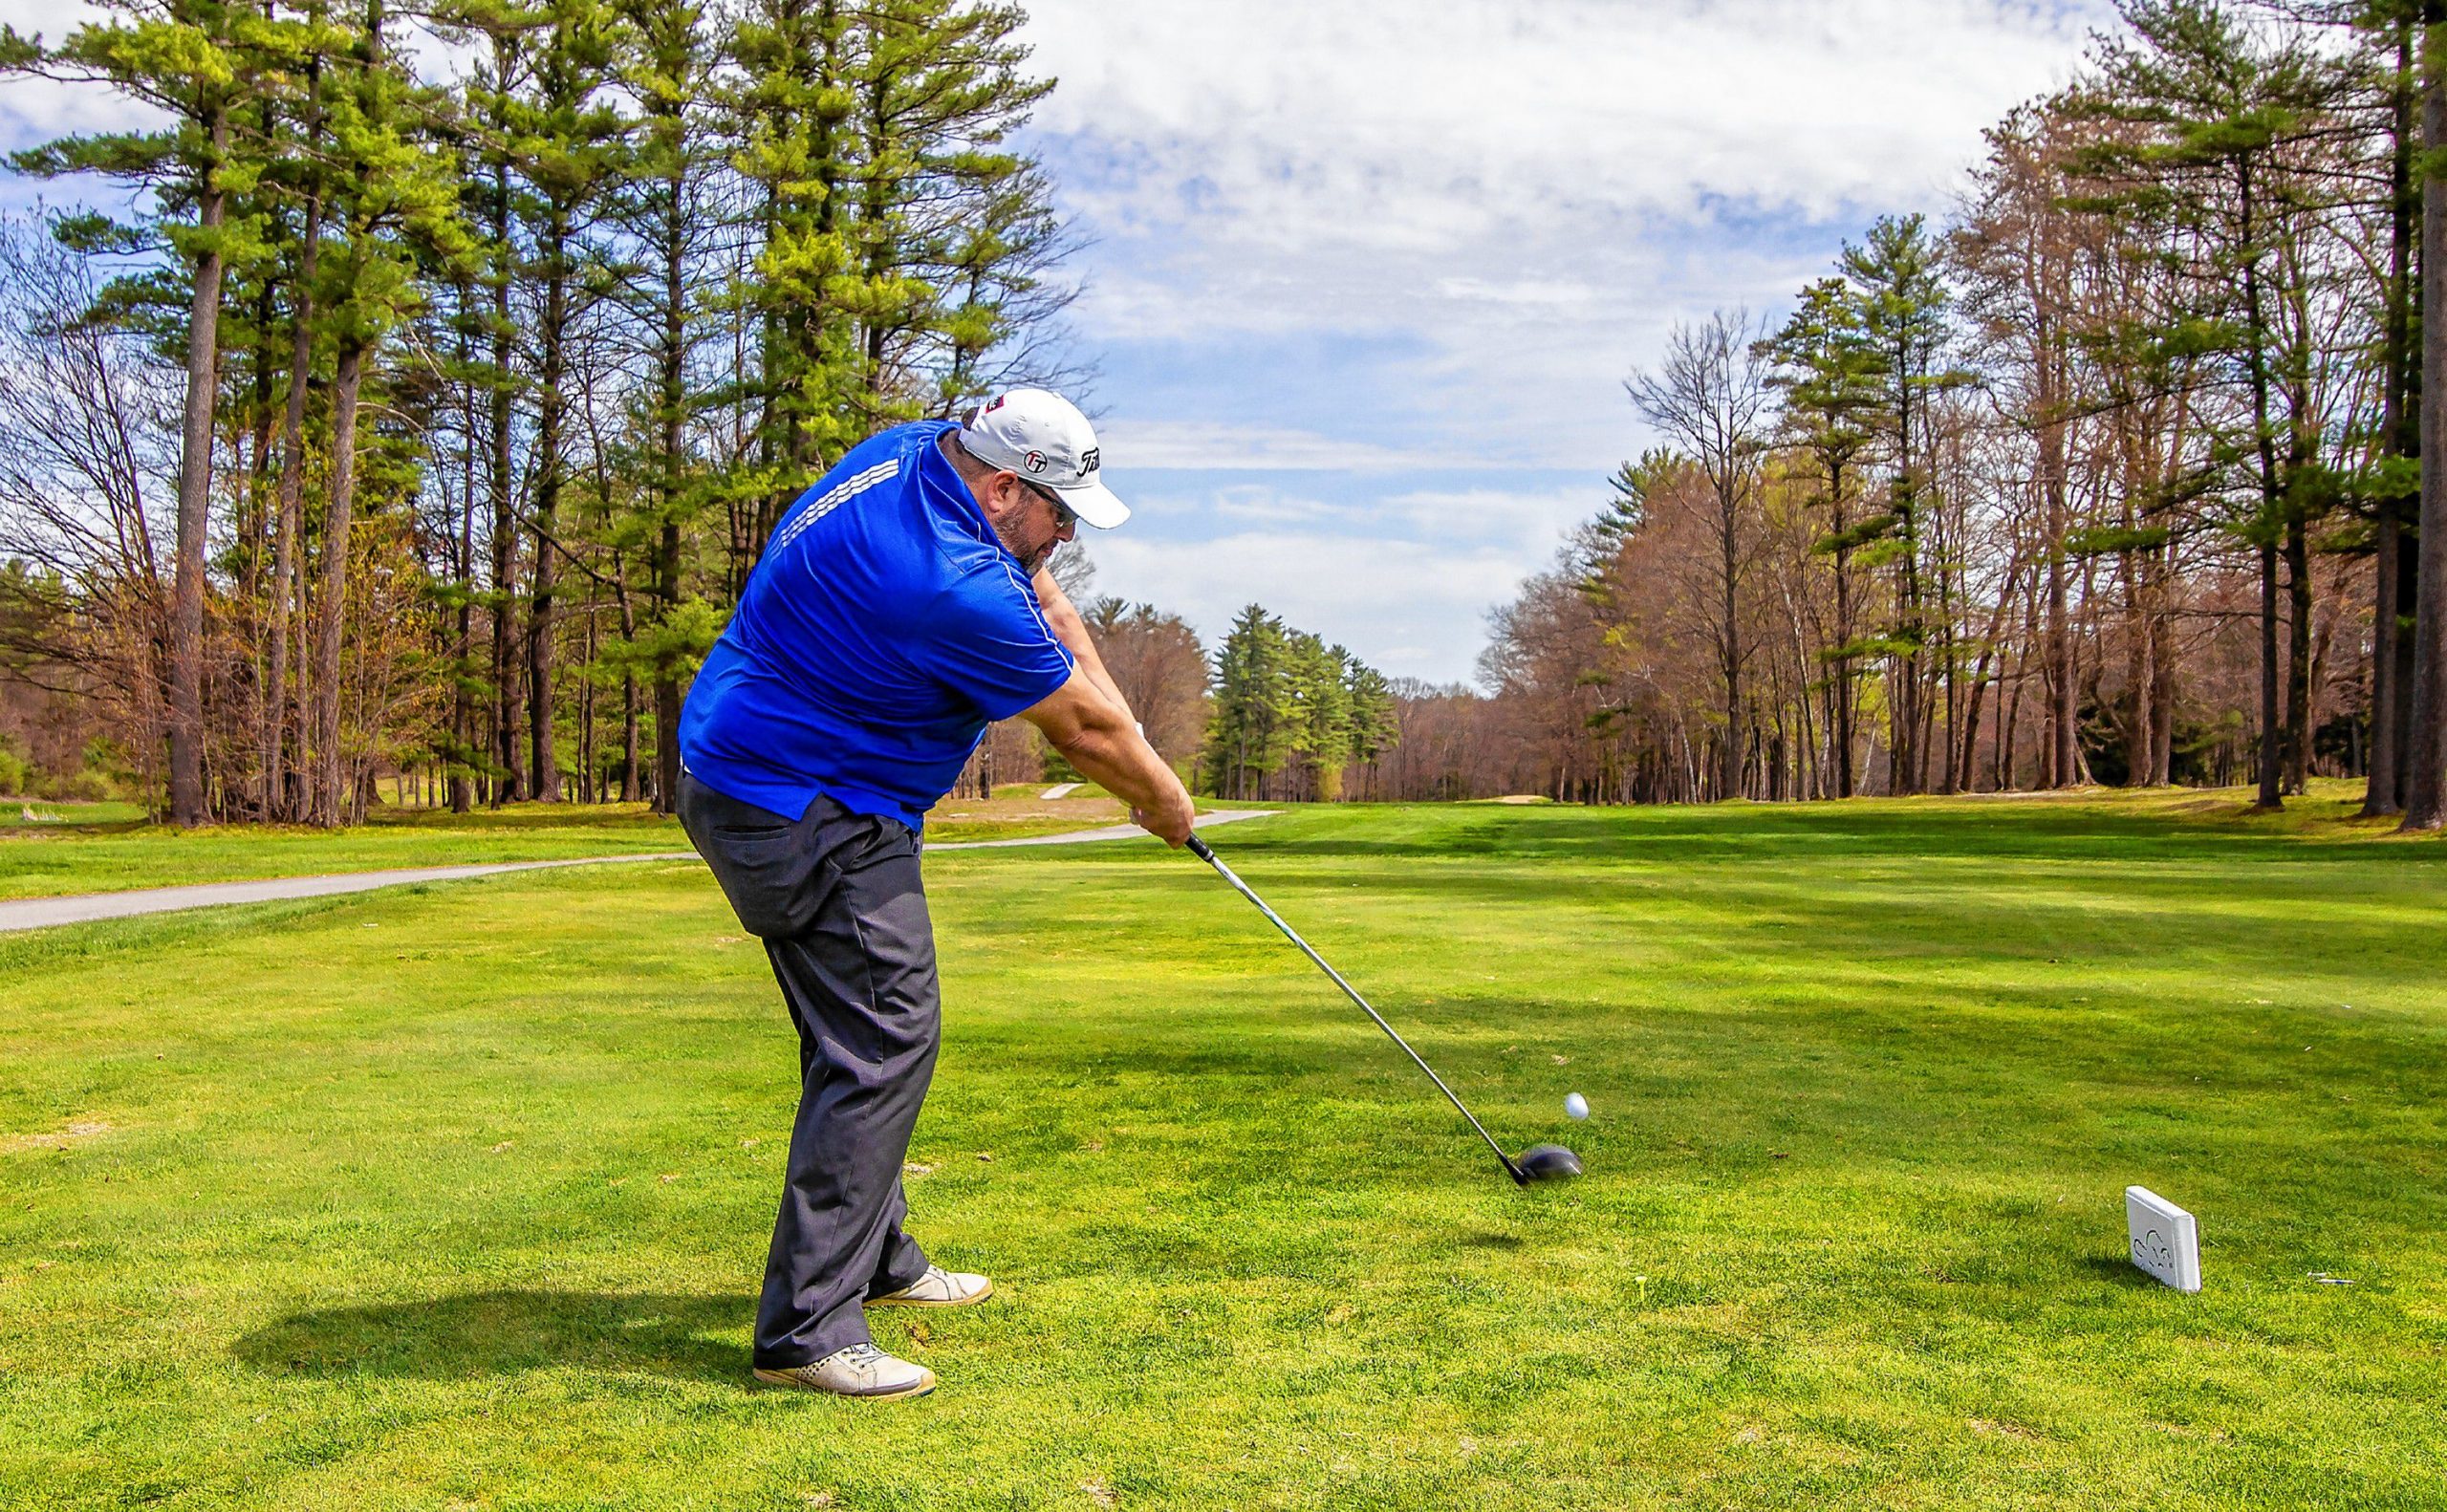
[(1253, 705), (1830, 378), (2426, 747), (2390, 489), (391, 194), (1319, 733), (1375, 724), (792, 110), (948, 225), (195, 61), (302, 175), (567, 140), (1902, 309), (668, 209), (2220, 122)]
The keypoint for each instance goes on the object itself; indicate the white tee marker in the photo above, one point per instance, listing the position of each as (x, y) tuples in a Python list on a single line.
[(2166, 1239)]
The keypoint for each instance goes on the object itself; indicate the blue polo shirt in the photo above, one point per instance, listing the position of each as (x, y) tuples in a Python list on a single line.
[(884, 628)]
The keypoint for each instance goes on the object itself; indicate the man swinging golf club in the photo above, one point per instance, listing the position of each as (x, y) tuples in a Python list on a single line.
[(902, 604)]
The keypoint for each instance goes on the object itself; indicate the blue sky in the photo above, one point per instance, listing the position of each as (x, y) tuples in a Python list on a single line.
[(1363, 279)]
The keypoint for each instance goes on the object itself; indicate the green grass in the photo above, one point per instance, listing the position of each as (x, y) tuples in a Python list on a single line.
[(44, 813), (457, 1195), (50, 859)]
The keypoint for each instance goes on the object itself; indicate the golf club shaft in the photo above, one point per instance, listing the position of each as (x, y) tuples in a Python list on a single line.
[(1205, 852)]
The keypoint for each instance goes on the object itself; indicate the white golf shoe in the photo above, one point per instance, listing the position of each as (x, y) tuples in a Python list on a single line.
[(937, 1288), (860, 1370)]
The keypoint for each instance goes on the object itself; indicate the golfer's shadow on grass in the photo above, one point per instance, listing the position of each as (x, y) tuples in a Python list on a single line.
[(482, 1333)]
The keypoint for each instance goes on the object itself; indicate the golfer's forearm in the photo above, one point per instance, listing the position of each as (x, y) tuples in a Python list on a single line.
[(1072, 630), (1115, 758)]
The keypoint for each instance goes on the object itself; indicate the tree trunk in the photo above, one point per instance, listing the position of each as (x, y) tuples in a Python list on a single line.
[(2272, 745), (2401, 684), (672, 377), (2139, 676), (2426, 751), (509, 751), (666, 677), (1729, 548), (1845, 785), (2163, 695), (195, 495), (547, 497), (2298, 655), (2271, 740), (277, 800), (463, 699), (333, 796), (2062, 716), (2399, 428)]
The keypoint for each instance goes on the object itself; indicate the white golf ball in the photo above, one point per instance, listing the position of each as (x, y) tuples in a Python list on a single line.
[(1576, 1106)]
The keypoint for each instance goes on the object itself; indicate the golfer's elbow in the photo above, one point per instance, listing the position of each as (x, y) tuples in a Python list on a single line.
[(1093, 742)]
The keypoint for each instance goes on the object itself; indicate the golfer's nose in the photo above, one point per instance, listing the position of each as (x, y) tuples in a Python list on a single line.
[(1067, 530)]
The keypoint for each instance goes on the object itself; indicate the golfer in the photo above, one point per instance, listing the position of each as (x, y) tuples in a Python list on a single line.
[(902, 604)]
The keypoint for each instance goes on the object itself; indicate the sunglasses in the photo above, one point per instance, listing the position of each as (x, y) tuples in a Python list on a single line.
[(1063, 516)]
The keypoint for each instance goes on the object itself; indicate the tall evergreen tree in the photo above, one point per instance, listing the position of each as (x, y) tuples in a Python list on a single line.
[(567, 138), (2426, 751), (391, 195), (195, 62), (1319, 733), (2218, 119), (1903, 315), (1828, 374), (1254, 714), (668, 210)]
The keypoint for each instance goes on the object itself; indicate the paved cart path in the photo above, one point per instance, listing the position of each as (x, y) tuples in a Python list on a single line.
[(39, 913)]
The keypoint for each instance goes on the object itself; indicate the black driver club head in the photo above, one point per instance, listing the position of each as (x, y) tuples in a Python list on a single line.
[(1544, 1162)]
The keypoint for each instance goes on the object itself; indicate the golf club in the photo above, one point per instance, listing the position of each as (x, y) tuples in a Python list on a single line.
[(1540, 1162)]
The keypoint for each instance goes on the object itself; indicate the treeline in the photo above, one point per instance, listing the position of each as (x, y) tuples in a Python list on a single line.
[(434, 409), (1290, 714), (2117, 475), (1153, 656)]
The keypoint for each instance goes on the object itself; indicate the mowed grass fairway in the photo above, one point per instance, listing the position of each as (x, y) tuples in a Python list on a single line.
[(52, 859), (458, 1197)]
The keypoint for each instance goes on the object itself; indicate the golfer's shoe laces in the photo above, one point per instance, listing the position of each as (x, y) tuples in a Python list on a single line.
[(856, 1370), (937, 1288)]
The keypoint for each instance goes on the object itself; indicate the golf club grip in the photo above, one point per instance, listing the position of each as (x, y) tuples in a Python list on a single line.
[(1201, 849)]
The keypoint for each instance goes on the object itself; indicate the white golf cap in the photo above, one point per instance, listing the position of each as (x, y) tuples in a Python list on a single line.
[(1044, 438)]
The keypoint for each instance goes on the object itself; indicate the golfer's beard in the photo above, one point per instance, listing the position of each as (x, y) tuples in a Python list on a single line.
[(1031, 564)]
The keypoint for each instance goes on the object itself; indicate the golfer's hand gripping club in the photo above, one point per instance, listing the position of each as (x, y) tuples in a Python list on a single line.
[(1206, 854)]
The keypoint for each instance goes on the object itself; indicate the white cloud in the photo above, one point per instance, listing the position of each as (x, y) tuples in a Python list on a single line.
[(1400, 127), (1215, 446), (1404, 579), (37, 110), (1470, 512), (1501, 174), (1519, 291), (1531, 522), (1449, 228)]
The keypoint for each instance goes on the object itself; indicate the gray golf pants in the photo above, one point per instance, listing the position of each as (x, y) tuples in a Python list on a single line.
[(838, 900)]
